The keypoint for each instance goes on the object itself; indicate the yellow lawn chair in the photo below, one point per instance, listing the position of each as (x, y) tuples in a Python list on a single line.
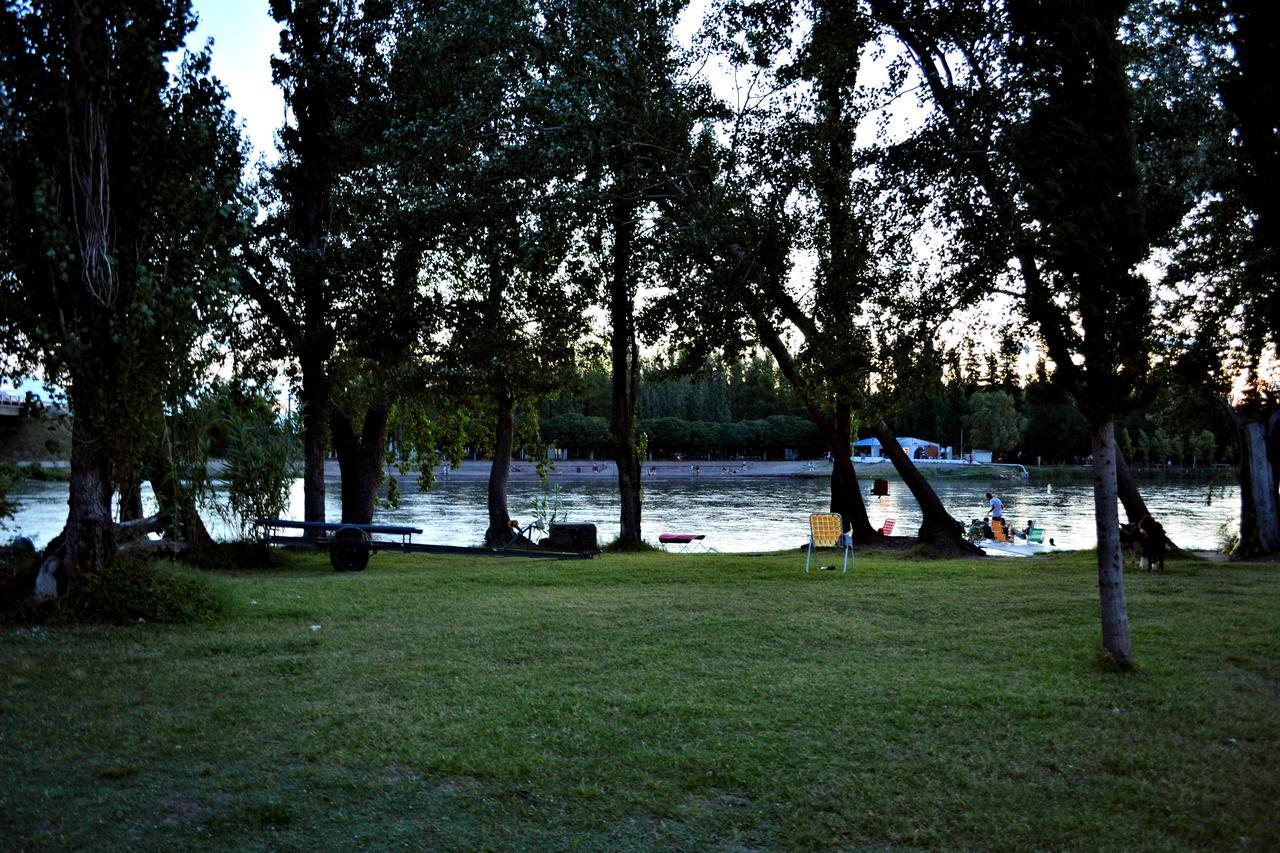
[(826, 530)]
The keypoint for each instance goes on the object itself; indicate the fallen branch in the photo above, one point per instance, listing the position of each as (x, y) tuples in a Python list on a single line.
[(150, 524), (154, 548)]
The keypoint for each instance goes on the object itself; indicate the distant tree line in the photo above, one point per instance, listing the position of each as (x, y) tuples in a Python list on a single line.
[(746, 408)]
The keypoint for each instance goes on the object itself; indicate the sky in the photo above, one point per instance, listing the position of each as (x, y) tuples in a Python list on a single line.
[(244, 37)]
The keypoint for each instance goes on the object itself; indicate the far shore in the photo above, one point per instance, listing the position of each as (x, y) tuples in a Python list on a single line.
[(706, 469), (668, 469), (586, 469)]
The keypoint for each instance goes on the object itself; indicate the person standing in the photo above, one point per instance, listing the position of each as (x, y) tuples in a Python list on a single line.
[(997, 513)]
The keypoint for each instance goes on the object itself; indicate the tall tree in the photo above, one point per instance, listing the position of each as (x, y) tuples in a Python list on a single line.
[(327, 68), (483, 154), (119, 201), (1076, 156), (619, 92), (791, 160), (1038, 153), (1228, 263)]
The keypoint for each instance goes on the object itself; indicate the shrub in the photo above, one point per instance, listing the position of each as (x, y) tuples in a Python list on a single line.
[(260, 464), (130, 590), (19, 563), (1228, 537), (47, 474), (8, 479), (618, 547), (231, 556)]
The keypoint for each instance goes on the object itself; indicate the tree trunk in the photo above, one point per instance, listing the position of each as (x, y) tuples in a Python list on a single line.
[(836, 432), (360, 459), (314, 398), (938, 527), (1135, 508), (131, 498), (624, 361), (1259, 523), (846, 493), (88, 540), (130, 512), (1273, 450), (1115, 613), (499, 531)]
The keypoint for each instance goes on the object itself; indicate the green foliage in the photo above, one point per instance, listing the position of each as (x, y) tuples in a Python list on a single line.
[(579, 434), (1202, 446), (1228, 537), (993, 421), (1144, 447), (423, 437), (547, 508), (1055, 432), (121, 212), (1075, 155), (392, 497), (1125, 442), (8, 479), (622, 546), (47, 473), (1221, 61), (130, 590), (261, 462)]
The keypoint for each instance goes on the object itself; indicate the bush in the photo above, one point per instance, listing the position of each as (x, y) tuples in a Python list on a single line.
[(8, 479), (132, 590), (47, 474), (231, 556), (260, 464), (19, 563), (618, 547), (1229, 537)]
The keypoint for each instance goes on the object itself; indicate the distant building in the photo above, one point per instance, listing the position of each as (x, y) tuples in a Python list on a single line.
[(868, 449), (11, 404)]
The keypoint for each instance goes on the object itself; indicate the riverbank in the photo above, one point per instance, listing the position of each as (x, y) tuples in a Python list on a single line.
[(656, 701), (576, 469), (706, 469), (586, 469)]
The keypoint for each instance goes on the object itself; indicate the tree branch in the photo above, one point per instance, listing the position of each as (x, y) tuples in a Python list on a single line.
[(270, 305)]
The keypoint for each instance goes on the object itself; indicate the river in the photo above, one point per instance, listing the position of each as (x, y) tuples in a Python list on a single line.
[(738, 514)]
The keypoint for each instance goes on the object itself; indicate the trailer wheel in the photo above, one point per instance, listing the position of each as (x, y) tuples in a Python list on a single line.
[(348, 550)]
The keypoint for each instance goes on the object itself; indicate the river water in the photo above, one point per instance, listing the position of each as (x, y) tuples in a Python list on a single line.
[(740, 514)]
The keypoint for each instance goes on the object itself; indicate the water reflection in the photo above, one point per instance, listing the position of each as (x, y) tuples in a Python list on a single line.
[(739, 514)]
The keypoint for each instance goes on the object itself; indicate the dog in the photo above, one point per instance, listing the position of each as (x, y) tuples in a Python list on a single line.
[(1130, 544), (1151, 535)]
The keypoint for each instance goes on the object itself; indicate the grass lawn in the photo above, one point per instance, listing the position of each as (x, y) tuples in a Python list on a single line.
[(633, 702)]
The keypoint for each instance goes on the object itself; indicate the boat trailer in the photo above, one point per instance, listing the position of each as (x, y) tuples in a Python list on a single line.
[(349, 545)]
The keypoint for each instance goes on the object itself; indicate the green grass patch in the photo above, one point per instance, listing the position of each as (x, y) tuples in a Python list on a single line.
[(656, 700)]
